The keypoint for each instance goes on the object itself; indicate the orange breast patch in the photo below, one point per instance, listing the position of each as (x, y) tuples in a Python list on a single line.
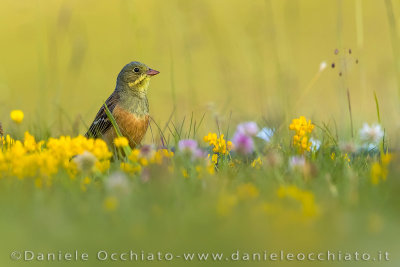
[(132, 127)]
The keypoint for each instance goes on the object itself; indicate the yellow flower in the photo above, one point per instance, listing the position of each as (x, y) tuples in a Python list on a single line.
[(7, 141), (42, 159), (144, 162), (30, 143), (110, 203), (121, 141), (229, 145), (185, 173), (306, 198), (160, 155), (214, 158), (17, 115), (211, 169), (386, 159), (346, 157), (256, 163), (86, 181), (379, 170), (376, 173), (134, 156), (303, 130), (103, 166), (130, 168), (247, 191), (71, 169), (139, 159), (219, 143), (219, 146), (211, 138)]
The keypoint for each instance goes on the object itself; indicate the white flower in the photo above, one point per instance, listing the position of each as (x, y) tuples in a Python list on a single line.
[(266, 134), (118, 182), (322, 66), (369, 146), (371, 134), (315, 144), (85, 161)]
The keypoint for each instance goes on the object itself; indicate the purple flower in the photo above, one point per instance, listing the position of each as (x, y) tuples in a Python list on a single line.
[(190, 147), (199, 154), (248, 128), (243, 144)]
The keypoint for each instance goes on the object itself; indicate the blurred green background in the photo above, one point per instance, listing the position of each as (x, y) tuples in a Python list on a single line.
[(60, 59)]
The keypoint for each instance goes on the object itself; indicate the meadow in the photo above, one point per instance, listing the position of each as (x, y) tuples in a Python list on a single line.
[(274, 128)]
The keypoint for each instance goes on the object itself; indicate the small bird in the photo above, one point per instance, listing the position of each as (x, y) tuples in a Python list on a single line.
[(128, 104)]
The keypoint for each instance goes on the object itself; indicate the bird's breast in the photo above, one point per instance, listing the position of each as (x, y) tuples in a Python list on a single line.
[(132, 126)]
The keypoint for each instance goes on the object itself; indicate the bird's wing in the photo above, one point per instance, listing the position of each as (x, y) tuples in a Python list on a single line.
[(101, 123)]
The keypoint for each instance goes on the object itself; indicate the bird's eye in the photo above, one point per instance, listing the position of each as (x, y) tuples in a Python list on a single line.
[(136, 69)]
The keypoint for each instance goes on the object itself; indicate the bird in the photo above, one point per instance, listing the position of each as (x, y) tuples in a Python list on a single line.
[(129, 106)]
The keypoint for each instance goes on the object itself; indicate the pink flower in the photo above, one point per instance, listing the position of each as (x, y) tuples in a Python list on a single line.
[(248, 128), (187, 145), (243, 144), (190, 147)]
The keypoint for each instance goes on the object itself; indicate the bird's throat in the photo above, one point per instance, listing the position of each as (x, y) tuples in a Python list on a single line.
[(134, 103), (141, 84)]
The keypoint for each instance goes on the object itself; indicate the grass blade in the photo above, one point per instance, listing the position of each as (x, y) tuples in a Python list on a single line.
[(127, 149), (377, 108)]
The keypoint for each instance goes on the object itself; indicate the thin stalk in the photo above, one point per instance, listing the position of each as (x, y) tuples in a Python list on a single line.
[(127, 149), (350, 113)]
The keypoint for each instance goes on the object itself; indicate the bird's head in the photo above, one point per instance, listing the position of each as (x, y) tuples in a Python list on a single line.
[(135, 76)]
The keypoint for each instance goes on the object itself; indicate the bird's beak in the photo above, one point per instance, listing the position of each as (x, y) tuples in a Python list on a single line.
[(152, 72)]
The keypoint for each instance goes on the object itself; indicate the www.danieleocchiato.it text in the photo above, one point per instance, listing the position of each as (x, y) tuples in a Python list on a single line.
[(142, 256)]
